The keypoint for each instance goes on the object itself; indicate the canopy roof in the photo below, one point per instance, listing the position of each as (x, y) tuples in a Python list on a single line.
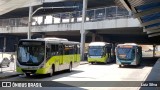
[(148, 13)]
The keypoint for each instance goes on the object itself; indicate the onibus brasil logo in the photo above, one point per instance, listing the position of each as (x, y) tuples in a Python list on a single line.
[(19, 84)]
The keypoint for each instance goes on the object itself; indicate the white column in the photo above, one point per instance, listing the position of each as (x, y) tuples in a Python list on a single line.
[(30, 21), (93, 37), (82, 31), (154, 51)]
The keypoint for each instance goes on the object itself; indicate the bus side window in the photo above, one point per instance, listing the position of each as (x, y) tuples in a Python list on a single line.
[(48, 51), (60, 49), (54, 50), (76, 49)]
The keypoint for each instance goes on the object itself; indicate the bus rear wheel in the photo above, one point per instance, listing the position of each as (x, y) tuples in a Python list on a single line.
[(120, 66), (92, 62), (70, 67), (52, 71), (27, 74)]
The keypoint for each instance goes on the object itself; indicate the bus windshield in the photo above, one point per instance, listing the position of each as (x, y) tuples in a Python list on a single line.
[(31, 55), (95, 51), (126, 53)]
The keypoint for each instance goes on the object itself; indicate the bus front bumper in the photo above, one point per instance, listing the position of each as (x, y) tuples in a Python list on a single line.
[(102, 60), (124, 62), (38, 71)]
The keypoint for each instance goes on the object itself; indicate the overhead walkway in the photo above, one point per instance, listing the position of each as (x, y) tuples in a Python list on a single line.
[(96, 19)]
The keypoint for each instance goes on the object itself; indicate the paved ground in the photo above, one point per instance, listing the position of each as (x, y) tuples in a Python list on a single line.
[(153, 77), (97, 72), (6, 72)]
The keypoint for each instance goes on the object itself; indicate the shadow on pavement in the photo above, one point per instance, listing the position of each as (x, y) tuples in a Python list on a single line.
[(153, 76), (57, 75)]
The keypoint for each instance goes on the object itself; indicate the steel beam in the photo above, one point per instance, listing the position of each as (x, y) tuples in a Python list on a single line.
[(152, 28), (125, 5), (153, 31), (153, 35), (147, 12), (150, 22)]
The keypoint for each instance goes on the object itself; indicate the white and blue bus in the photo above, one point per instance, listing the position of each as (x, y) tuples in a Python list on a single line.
[(128, 54)]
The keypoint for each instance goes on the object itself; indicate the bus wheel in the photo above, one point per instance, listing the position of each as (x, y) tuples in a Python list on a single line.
[(52, 71), (138, 65), (92, 62), (27, 75), (120, 66), (70, 67)]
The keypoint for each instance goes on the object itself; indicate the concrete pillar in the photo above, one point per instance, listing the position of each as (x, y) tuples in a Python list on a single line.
[(113, 52), (4, 46), (43, 19), (101, 38), (53, 19), (75, 18), (83, 31), (61, 17), (43, 36), (82, 49), (30, 21), (93, 37), (70, 18), (154, 51)]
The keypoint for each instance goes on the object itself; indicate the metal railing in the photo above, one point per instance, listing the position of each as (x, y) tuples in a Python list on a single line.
[(99, 14)]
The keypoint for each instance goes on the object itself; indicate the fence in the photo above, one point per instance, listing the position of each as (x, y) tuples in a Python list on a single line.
[(92, 15)]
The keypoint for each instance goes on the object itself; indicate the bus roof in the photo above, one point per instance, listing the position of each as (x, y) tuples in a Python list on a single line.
[(128, 44), (98, 44), (52, 40)]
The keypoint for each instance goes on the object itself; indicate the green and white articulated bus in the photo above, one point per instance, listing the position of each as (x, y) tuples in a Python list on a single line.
[(46, 55), (128, 54), (99, 52)]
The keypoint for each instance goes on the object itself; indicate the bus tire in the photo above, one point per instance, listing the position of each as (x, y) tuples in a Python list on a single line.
[(52, 71), (120, 66), (138, 65), (70, 67), (92, 63), (27, 74)]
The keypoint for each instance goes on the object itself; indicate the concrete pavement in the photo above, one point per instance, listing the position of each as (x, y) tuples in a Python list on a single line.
[(8, 74), (153, 76)]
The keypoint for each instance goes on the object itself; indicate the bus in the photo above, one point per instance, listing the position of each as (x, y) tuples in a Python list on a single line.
[(128, 54), (99, 52), (46, 55)]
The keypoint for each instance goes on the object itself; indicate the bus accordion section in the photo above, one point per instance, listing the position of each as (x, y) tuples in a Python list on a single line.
[(46, 55), (99, 52), (128, 54)]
